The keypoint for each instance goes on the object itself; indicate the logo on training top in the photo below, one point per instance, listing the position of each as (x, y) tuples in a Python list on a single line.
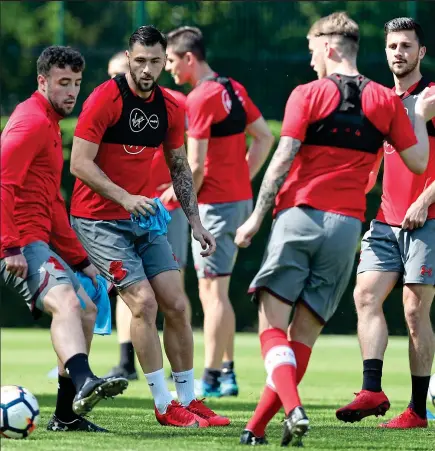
[(226, 100), (139, 120)]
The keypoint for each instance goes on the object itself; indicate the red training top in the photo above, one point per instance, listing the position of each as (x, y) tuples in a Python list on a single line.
[(226, 172), (401, 187), (127, 166), (32, 208), (334, 179)]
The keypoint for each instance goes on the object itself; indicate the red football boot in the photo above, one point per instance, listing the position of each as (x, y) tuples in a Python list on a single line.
[(365, 404), (178, 416), (406, 420), (198, 408)]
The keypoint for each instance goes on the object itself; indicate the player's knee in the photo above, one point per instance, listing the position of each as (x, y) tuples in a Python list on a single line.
[(144, 307), (365, 299), (68, 306), (177, 309), (413, 314)]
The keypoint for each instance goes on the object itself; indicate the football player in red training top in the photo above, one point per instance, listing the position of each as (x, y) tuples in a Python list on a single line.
[(219, 112), (124, 122), (399, 244), (330, 137), (33, 216)]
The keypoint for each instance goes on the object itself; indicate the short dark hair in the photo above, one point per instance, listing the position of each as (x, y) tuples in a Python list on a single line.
[(147, 35), (404, 24), (187, 39), (59, 56)]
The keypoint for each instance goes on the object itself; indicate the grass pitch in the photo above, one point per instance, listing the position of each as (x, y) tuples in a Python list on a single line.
[(334, 373)]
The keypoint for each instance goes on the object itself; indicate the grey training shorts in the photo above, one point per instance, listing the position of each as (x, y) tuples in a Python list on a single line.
[(309, 258), (178, 235), (122, 251), (45, 271), (408, 252), (222, 221)]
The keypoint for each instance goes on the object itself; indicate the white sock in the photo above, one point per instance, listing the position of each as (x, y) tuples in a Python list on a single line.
[(159, 390), (184, 384)]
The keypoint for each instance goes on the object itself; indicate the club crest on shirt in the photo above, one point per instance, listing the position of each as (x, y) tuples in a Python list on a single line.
[(139, 120), (226, 100)]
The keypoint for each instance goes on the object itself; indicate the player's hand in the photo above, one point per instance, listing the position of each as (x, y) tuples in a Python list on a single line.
[(92, 272), (138, 205), (17, 265), (206, 239), (415, 216), (168, 195), (425, 104), (246, 231)]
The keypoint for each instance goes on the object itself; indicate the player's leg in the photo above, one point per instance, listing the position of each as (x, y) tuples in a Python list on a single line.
[(378, 271), (418, 251), (126, 366)]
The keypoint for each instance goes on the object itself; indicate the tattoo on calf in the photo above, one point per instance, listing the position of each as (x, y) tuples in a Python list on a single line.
[(183, 182)]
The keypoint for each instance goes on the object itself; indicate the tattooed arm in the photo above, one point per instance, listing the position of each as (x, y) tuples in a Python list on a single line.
[(183, 187), (274, 178)]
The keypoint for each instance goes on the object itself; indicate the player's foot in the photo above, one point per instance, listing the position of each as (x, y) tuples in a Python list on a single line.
[(178, 416), (198, 408), (79, 424), (248, 438), (366, 403), (94, 390), (121, 371), (406, 420), (296, 425), (229, 385), (204, 390)]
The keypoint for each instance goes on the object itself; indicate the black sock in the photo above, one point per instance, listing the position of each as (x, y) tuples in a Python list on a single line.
[(420, 387), (211, 377), (372, 375), (65, 396), (78, 369), (127, 356), (228, 366)]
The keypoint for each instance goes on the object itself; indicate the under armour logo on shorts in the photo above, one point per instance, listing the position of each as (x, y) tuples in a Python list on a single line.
[(425, 271), (57, 265), (117, 271)]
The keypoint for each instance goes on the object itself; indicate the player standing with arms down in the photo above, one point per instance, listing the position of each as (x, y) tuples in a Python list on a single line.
[(219, 112), (123, 123), (400, 243), (33, 215), (331, 133)]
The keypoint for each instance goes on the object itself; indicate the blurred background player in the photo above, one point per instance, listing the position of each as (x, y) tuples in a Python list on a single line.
[(400, 243), (331, 134), (123, 123), (33, 216), (219, 112), (178, 236)]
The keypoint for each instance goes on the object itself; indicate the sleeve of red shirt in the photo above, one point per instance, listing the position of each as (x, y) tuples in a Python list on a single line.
[(20, 143), (64, 239), (200, 115), (297, 115), (401, 134), (176, 128), (101, 110)]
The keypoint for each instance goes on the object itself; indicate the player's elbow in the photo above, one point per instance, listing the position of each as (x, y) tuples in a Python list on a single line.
[(418, 166), (76, 167), (416, 160)]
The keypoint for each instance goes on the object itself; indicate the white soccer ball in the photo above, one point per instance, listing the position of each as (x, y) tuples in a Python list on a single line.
[(431, 391), (19, 412)]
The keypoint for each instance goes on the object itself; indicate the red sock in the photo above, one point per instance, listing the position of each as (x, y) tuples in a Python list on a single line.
[(280, 363), (270, 403)]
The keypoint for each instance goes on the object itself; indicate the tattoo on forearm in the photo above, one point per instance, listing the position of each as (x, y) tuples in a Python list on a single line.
[(183, 182), (276, 174)]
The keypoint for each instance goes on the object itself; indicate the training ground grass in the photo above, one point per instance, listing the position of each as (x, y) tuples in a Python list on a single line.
[(333, 375)]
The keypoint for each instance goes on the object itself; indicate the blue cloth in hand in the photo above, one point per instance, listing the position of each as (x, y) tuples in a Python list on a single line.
[(100, 297), (158, 222)]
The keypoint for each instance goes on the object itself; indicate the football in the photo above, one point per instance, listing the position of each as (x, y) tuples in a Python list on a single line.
[(431, 392), (19, 412)]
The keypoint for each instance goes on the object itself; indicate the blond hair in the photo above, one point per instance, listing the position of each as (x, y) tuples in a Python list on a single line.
[(340, 26)]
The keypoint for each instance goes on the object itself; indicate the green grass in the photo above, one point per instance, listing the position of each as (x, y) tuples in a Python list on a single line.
[(333, 375)]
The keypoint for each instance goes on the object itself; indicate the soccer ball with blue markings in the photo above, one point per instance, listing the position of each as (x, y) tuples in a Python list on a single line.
[(19, 412), (431, 391)]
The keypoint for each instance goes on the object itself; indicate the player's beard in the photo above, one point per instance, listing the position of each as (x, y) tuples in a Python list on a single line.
[(406, 69), (140, 84), (61, 110)]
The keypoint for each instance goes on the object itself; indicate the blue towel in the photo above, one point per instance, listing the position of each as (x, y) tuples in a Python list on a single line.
[(158, 222), (430, 415), (100, 297)]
